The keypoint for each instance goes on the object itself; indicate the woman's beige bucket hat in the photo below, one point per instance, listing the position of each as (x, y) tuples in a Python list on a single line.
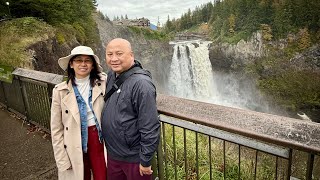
[(84, 50)]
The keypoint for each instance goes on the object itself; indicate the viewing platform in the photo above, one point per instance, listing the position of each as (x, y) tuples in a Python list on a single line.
[(25, 150), (198, 140)]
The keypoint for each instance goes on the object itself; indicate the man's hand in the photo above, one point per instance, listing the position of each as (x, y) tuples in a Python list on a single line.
[(145, 170)]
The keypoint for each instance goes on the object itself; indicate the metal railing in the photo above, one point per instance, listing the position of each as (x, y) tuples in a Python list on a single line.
[(198, 140), (29, 95)]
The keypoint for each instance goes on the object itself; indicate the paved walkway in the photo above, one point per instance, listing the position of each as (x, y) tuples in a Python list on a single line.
[(25, 151)]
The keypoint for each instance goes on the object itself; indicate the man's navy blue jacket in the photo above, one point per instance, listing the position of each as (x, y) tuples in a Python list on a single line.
[(130, 124)]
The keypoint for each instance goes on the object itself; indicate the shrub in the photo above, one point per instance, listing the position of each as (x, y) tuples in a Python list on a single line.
[(60, 38)]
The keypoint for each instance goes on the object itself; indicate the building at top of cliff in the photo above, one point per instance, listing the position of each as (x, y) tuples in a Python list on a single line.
[(141, 22)]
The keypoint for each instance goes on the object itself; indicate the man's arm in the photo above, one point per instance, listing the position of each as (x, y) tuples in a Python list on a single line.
[(144, 94)]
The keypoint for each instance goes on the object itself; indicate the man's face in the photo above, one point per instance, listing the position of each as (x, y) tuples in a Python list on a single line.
[(119, 56)]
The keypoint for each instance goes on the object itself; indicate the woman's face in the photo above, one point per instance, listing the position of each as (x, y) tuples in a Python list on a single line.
[(82, 65)]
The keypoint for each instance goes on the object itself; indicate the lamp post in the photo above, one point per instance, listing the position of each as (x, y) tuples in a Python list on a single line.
[(7, 3)]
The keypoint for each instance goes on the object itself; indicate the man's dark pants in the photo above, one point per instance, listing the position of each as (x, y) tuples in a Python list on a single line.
[(119, 170)]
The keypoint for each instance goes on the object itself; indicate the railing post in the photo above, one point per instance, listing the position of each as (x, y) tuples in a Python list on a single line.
[(310, 166), (24, 98), (160, 160), (154, 167), (174, 153), (197, 155), (289, 164), (50, 89), (4, 95), (165, 149)]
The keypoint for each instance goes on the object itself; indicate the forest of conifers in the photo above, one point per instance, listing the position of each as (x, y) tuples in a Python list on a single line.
[(242, 17)]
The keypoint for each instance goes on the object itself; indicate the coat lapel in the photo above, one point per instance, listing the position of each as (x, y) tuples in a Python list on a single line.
[(97, 90)]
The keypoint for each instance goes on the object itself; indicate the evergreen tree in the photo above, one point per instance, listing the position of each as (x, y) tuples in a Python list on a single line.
[(282, 19), (168, 25)]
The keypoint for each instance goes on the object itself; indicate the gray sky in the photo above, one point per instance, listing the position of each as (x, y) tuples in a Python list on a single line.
[(151, 9)]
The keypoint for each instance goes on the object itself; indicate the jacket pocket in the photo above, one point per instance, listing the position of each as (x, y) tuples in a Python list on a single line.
[(132, 135)]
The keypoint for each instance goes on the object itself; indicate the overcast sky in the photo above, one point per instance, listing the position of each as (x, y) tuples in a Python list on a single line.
[(151, 9)]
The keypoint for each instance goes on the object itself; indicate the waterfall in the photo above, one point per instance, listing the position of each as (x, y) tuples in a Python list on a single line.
[(191, 76), (190, 71)]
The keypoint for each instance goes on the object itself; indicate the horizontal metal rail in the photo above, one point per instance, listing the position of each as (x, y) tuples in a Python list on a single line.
[(279, 130), (234, 138)]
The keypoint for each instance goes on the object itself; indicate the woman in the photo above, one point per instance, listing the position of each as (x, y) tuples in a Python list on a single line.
[(75, 117)]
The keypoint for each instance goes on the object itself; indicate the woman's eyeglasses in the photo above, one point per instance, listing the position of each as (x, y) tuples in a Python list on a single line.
[(80, 61)]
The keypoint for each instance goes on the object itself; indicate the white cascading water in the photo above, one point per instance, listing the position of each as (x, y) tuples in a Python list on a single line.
[(190, 71), (191, 76)]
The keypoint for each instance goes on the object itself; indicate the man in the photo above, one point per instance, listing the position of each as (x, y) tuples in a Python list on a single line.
[(130, 125)]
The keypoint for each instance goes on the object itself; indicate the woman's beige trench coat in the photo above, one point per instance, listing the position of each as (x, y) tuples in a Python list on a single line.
[(66, 127)]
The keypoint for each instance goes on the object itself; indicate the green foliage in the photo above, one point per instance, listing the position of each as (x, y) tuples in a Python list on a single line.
[(304, 40), (232, 23), (60, 38), (294, 89), (168, 26), (67, 30), (282, 78), (236, 37), (266, 32), (19, 34), (80, 33), (217, 28), (148, 33), (59, 13)]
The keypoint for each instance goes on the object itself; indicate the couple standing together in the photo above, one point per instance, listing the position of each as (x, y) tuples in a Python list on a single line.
[(100, 130)]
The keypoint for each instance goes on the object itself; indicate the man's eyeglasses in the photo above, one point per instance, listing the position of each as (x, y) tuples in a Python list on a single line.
[(80, 61)]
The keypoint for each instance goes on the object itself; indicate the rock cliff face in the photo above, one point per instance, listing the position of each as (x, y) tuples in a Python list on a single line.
[(154, 55), (224, 56), (308, 60), (45, 54)]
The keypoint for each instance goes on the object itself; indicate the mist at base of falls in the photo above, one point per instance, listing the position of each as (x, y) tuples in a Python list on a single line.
[(191, 77), (236, 90)]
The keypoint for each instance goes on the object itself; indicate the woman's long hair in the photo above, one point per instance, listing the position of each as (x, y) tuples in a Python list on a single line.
[(94, 73)]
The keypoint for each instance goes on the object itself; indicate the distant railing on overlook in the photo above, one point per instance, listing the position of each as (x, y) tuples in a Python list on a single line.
[(198, 140)]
